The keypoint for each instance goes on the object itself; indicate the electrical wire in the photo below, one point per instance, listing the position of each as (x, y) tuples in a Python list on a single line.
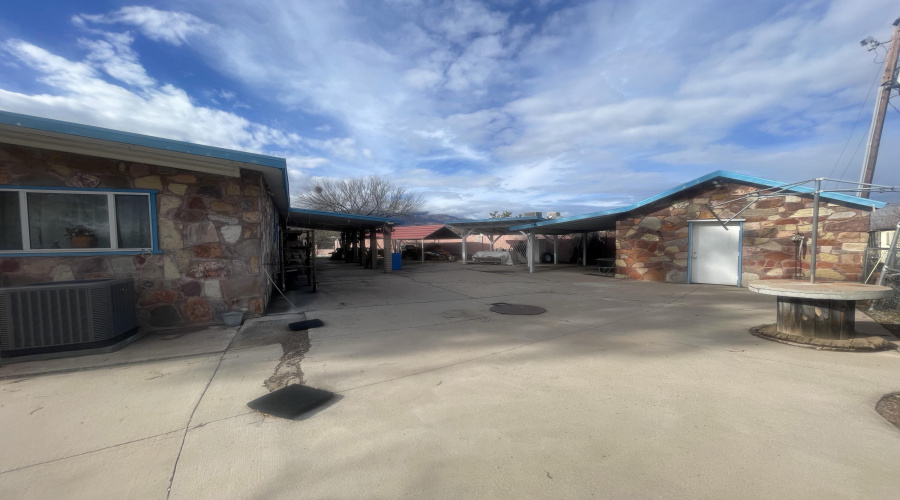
[(853, 130), (895, 107), (278, 289)]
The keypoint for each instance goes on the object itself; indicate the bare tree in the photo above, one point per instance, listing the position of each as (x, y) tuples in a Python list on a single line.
[(373, 195)]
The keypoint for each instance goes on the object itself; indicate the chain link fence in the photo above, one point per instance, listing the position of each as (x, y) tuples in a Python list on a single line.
[(873, 266)]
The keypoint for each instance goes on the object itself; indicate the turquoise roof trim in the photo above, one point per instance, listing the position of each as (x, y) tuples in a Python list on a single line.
[(357, 217), (718, 174), (105, 134), (482, 221)]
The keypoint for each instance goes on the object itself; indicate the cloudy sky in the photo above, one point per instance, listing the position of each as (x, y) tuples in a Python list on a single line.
[(521, 105)]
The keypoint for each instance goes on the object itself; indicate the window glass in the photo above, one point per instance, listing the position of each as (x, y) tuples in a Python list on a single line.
[(59, 220), (10, 223), (133, 221)]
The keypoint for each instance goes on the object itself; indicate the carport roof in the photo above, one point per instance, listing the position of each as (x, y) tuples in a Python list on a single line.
[(606, 220), (426, 232), (335, 221), (495, 226)]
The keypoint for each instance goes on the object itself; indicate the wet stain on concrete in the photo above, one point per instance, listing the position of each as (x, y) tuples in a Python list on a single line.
[(288, 371)]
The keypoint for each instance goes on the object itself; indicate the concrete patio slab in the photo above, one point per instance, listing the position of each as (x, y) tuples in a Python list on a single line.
[(57, 416), (137, 470), (620, 390), (162, 344)]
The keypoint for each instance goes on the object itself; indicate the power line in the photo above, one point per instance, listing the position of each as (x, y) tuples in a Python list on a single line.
[(895, 107), (853, 130)]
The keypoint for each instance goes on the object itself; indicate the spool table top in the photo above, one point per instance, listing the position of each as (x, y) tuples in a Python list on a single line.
[(825, 291)]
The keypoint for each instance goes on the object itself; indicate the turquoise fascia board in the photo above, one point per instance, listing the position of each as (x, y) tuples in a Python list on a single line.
[(105, 134), (482, 221), (718, 174), (15, 187), (367, 218), (64, 253)]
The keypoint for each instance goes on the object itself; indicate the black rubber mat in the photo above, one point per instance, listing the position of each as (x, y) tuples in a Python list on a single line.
[(519, 309), (291, 401), (306, 325)]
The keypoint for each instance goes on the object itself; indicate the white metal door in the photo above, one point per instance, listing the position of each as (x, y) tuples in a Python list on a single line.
[(715, 253)]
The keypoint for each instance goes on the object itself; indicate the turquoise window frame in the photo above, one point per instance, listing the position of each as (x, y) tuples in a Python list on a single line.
[(68, 252)]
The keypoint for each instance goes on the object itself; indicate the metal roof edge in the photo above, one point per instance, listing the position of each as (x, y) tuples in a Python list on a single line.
[(106, 134), (349, 216), (505, 219), (845, 198), (863, 202)]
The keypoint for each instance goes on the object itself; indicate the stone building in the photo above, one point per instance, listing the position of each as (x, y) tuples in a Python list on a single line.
[(194, 226), (675, 237)]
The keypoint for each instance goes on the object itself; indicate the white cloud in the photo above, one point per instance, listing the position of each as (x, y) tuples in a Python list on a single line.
[(577, 105), (461, 19), (82, 96), (159, 25), (115, 57)]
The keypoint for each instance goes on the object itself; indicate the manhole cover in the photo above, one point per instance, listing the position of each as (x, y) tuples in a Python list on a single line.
[(521, 309)]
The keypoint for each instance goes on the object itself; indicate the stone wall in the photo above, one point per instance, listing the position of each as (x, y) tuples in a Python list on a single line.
[(653, 245), (265, 263), (213, 231)]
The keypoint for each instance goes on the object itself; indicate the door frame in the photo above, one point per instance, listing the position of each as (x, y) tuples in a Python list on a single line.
[(740, 266)]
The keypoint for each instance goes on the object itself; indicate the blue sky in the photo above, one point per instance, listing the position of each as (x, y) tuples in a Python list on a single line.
[(547, 105)]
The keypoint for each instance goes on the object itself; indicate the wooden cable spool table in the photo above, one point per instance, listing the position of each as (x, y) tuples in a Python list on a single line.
[(818, 310)]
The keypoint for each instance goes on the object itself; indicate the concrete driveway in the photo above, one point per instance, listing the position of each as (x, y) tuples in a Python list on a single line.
[(620, 390)]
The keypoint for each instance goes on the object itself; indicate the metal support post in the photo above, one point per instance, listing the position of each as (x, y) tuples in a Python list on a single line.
[(465, 234), (555, 248), (373, 243), (530, 251), (423, 250), (388, 258), (584, 241), (889, 261), (493, 238), (814, 243)]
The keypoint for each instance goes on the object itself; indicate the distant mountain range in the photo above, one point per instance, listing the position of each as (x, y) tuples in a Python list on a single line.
[(424, 218)]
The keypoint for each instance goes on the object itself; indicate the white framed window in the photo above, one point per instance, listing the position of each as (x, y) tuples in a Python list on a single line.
[(50, 221)]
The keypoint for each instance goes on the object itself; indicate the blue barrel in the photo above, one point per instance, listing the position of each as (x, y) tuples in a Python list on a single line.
[(395, 261)]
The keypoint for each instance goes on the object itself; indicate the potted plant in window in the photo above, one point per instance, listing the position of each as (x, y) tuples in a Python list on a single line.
[(81, 237)]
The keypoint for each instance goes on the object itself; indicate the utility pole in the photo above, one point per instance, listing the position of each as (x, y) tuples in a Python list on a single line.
[(888, 83)]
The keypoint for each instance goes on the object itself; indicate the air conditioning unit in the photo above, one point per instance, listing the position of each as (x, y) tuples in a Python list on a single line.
[(532, 214), (66, 316), (553, 215)]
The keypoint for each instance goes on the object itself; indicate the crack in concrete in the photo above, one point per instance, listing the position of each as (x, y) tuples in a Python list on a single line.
[(89, 452)]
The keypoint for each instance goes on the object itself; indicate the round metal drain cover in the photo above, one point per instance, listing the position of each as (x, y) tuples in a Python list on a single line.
[(522, 309)]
